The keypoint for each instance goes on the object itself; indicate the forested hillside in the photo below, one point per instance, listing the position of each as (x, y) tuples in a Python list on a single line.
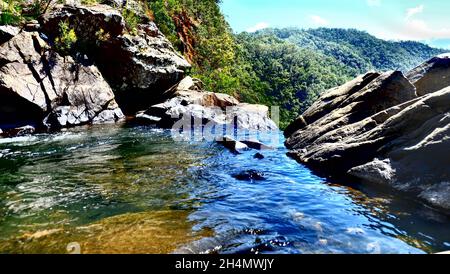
[(359, 49), (283, 67), (297, 65)]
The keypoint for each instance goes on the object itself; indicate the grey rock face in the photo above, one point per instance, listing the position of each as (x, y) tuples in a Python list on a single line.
[(431, 76), (204, 108), (139, 66), (36, 83), (391, 138)]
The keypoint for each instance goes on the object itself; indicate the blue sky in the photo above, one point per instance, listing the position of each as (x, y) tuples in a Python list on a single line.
[(420, 20)]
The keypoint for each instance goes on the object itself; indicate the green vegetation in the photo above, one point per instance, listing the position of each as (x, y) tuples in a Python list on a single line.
[(288, 67), (67, 38), (131, 20), (283, 67), (198, 30), (11, 12), (358, 49), (89, 2), (17, 12), (291, 77)]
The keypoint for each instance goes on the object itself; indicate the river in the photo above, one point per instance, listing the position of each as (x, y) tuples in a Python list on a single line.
[(125, 189)]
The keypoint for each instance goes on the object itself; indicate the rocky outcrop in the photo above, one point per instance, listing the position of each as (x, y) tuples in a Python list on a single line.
[(431, 76), (139, 64), (37, 84), (111, 66), (376, 128), (188, 101)]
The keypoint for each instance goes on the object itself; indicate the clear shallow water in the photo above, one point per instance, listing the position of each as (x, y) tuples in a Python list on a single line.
[(134, 190)]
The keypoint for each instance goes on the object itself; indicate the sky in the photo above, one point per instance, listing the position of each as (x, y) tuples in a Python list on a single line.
[(427, 21)]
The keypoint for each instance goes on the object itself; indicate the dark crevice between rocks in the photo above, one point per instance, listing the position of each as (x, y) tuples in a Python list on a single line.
[(16, 111), (37, 77), (132, 101)]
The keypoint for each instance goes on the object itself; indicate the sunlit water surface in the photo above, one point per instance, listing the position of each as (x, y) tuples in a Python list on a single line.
[(116, 189)]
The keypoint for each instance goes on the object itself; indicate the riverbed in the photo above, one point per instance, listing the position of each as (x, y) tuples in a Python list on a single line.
[(130, 189)]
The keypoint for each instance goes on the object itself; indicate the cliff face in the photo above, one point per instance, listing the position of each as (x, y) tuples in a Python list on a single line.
[(383, 128), (139, 63), (43, 86)]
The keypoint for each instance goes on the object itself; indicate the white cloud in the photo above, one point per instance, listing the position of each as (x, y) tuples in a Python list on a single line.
[(414, 11), (317, 20), (374, 3), (259, 26), (413, 29), (418, 29)]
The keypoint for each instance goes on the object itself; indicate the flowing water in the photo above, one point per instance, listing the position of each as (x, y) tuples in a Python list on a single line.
[(118, 189)]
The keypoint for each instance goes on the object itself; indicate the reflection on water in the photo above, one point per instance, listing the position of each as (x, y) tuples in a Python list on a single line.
[(134, 190)]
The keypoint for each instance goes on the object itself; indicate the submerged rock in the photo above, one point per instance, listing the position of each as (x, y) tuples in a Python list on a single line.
[(250, 175), (375, 128), (158, 232), (37, 84), (258, 156)]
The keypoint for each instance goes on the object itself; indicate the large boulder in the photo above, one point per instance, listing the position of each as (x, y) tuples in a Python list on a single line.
[(348, 104), (189, 102), (139, 64), (415, 154), (432, 75), (376, 129), (37, 84)]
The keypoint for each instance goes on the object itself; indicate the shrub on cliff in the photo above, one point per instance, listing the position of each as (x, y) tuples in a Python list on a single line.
[(66, 39), (16, 12)]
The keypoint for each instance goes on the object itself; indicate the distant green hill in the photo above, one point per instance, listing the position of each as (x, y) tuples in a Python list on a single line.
[(359, 49), (295, 66)]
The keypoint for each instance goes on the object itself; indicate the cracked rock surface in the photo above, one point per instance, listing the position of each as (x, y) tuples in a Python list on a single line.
[(38, 86), (384, 129), (139, 66)]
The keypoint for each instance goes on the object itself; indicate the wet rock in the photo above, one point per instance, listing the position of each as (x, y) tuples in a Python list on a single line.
[(258, 156), (250, 175), (38, 85), (140, 65), (255, 144), (233, 145), (380, 132), (19, 131)]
